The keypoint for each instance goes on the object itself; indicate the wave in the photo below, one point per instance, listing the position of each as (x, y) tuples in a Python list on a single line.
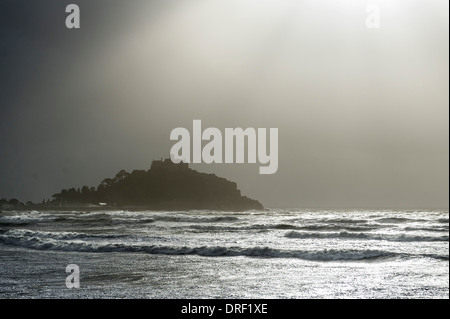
[(338, 220), (210, 251), (347, 235), (267, 227), (207, 251), (85, 218), (183, 219), (343, 221), (25, 220), (397, 220), (331, 227), (121, 221), (103, 219), (431, 229), (70, 241), (25, 233), (318, 227), (241, 228)]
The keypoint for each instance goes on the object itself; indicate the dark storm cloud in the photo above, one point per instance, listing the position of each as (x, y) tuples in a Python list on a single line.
[(41, 120)]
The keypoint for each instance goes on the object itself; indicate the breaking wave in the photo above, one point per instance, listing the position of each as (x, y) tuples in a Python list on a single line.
[(124, 219), (214, 251), (30, 234), (59, 242), (217, 228), (185, 219), (366, 236), (25, 219), (432, 229), (399, 220)]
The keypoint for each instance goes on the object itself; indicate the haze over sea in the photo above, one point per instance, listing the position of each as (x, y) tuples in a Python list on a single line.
[(277, 253)]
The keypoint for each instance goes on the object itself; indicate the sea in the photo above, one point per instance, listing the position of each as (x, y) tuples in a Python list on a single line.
[(269, 254)]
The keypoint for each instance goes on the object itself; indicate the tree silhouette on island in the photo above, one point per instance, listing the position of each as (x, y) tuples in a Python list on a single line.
[(165, 186)]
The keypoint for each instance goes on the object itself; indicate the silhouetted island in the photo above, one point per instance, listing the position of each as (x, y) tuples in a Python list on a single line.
[(165, 186)]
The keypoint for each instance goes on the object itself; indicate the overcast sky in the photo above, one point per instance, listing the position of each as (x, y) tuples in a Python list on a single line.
[(362, 113)]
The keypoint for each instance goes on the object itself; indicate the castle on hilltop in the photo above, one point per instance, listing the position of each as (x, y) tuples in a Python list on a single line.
[(165, 186), (167, 164)]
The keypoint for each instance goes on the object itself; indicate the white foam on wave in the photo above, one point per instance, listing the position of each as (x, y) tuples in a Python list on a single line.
[(366, 236), (26, 219), (56, 241)]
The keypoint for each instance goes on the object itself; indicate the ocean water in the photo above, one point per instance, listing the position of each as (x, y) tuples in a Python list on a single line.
[(208, 254)]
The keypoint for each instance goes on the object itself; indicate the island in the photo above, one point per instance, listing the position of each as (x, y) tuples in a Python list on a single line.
[(165, 186)]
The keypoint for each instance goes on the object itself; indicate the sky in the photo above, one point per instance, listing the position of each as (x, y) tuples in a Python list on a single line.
[(362, 113)]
